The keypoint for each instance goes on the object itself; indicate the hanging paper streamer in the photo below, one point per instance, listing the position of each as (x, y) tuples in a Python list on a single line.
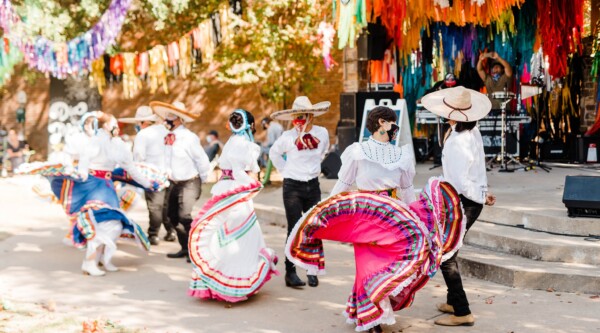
[(326, 33), (131, 83), (97, 77), (158, 68), (560, 25), (9, 57), (64, 58)]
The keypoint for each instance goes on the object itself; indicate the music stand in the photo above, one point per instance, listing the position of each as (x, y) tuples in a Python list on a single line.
[(505, 158), (526, 92)]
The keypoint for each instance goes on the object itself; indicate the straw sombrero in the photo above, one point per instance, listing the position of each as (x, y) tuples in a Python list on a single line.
[(302, 105), (459, 104), (177, 108), (143, 113)]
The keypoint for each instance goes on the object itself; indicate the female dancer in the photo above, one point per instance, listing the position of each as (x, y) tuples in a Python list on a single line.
[(397, 247), (89, 198), (230, 259)]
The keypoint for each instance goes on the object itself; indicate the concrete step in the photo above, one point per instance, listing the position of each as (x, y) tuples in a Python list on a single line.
[(547, 221), (519, 272), (534, 245)]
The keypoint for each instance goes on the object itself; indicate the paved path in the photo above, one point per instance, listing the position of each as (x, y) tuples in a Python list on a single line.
[(149, 293)]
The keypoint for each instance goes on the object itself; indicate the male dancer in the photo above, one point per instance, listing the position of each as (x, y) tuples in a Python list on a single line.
[(148, 148), (187, 166), (304, 147)]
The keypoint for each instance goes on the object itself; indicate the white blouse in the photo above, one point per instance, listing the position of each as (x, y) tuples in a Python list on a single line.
[(375, 165), (240, 155), (106, 153), (463, 161)]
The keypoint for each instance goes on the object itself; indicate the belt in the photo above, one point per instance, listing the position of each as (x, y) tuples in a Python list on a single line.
[(388, 192), (183, 181), (101, 174), (316, 179), (227, 174)]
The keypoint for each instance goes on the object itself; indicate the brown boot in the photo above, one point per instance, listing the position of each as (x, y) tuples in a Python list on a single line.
[(445, 307), (453, 320)]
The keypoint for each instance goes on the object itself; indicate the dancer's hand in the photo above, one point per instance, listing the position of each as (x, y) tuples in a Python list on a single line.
[(490, 199)]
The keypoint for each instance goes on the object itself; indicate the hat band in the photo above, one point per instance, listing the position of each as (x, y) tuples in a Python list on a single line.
[(459, 110)]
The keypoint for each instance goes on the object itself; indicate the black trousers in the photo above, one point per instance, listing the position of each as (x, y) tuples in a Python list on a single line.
[(298, 197), (181, 197), (456, 294), (157, 212)]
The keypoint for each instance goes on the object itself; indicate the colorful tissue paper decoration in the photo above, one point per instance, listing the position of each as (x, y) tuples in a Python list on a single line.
[(326, 34), (9, 57), (61, 59)]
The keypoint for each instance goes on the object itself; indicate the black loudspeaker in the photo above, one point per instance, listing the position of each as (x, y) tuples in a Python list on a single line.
[(581, 196), (582, 146), (553, 151), (348, 109), (352, 106), (362, 46), (346, 136), (421, 146), (331, 165)]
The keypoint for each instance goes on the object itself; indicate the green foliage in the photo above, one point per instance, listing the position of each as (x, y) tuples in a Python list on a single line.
[(149, 22), (274, 45)]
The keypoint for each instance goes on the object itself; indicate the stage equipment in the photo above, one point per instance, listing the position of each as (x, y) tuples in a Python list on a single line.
[(581, 196), (505, 97)]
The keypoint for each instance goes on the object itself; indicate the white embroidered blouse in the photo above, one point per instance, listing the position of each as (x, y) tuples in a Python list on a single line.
[(374, 165)]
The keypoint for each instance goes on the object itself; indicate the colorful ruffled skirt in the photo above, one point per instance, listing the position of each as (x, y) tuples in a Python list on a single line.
[(397, 247), (92, 201), (230, 258)]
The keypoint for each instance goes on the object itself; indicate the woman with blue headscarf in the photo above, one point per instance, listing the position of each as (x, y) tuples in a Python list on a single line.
[(230, 258)]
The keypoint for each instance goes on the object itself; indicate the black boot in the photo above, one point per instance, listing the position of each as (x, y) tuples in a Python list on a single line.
[(313, 281), (182, 253), (292, 280)]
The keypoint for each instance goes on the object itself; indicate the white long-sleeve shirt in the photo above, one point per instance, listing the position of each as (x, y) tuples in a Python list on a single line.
[(374, 166), (463, 161), (149, 147), (186, 159), (301, 165), (106, 153)]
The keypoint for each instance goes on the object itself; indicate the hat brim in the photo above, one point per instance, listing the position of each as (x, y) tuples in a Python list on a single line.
[(480, 105), (134, 120), (164, 109), (316, 110)]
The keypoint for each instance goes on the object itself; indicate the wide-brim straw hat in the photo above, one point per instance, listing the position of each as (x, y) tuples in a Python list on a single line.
[(459, 104), (143, 113), (302, 105), (177, 108)]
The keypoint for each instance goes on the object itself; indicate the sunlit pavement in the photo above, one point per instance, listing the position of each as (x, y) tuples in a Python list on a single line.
[(149, 292)]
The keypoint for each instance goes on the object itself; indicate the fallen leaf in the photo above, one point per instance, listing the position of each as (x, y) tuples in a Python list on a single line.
[(558, 294), (49, 305), (515, 302), (550, 290), (595, 297), (489, 301), (228, 306), (437, 285)]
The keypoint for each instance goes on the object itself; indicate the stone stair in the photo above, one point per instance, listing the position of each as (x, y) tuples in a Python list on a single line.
[(523, 258)]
